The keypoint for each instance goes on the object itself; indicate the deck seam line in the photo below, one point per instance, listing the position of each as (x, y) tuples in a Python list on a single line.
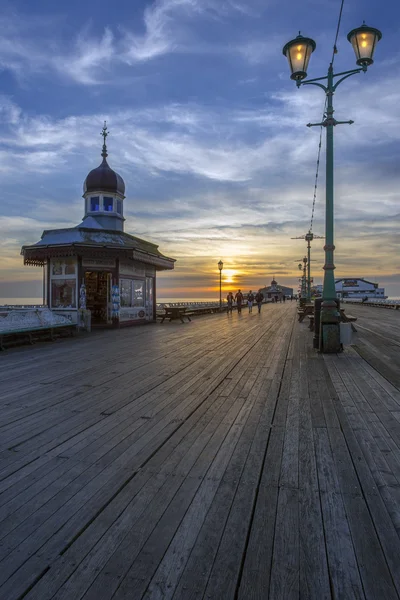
[(239, 580)]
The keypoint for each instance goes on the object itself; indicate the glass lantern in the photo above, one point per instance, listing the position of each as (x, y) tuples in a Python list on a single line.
[(298, 53), (364, 40)]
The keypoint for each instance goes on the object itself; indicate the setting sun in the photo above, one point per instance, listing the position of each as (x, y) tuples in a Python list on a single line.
[(229, 275)]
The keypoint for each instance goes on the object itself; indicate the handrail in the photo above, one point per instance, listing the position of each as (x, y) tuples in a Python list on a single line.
[(393, 304)]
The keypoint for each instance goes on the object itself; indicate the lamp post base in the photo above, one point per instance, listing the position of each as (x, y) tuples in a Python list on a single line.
[(329, 334)]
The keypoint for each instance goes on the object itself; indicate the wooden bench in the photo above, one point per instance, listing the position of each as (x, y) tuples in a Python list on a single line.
[(31, 334), (175, 312), (343, 317), (347, 318)]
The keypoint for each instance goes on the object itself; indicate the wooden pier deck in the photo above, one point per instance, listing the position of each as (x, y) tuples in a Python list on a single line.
[(220, 459)]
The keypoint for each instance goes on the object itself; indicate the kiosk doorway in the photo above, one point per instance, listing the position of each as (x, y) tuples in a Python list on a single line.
[(98, 296)]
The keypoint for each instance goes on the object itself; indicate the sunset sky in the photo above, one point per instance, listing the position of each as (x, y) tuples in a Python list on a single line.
[(207, 130)]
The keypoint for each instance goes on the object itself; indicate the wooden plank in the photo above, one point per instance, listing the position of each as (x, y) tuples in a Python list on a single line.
[(285, 569), (255, 577), (342, 562)]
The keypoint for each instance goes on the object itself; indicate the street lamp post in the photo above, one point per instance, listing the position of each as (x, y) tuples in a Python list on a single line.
[(309, 237), (220, 267), (303, 267), (305, 278), (303, 292), (298, 52)]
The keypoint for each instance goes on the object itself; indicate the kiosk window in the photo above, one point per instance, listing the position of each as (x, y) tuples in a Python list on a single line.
[(108, 203), (95, 203)]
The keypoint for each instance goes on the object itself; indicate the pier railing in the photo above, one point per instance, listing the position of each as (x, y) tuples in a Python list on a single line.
[(192, 308), (393, 304)]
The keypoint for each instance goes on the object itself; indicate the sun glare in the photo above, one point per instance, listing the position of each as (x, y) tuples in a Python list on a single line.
[(229, 275)]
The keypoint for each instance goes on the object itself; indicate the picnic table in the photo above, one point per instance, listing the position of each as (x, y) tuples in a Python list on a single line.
[(307, 309), (175, 312)]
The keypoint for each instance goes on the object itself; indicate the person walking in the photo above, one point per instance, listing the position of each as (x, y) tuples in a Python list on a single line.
[(284, 298), (250, 300), (259, 298), (230, 300), (239, 299)]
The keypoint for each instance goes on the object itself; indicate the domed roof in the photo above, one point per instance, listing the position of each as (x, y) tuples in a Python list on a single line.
[(104, 179), (273, 282)]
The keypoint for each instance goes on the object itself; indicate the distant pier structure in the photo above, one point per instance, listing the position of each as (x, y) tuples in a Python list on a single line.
[(96, 265), (275, 289), (356, 288)]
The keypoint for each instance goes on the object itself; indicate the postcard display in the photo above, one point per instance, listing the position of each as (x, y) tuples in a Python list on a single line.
[(63, 287), (136, 283)]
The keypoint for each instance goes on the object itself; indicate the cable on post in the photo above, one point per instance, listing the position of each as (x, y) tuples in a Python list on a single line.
[(317, 171), (335, 50)]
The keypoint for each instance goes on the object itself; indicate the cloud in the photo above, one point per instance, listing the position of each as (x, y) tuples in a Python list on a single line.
[(90, 59), (158, 37), (34, 45)]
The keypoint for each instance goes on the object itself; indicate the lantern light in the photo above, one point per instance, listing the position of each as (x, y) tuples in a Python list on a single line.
[(220, 265), (364, 40), (298, 52)]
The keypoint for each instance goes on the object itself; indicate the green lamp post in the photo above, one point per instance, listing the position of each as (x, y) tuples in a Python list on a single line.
[(298, 52), (303, 289), (309, 237), (305, 276), (220, 267)]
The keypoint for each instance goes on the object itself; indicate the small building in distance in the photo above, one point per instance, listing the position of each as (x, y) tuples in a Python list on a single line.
[(96, 265), (276, 290)]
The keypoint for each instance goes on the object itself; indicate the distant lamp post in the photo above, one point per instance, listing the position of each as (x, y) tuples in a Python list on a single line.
[(298, 52), (302, 283), (302, 267), (308, 237), (220, 267)]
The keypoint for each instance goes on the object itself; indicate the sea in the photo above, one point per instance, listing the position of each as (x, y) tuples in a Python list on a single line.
[(35, 301)]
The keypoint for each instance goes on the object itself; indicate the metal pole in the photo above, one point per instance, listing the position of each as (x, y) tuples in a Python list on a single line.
[(220, 289), (329, 330), (44, 285), (309, 272)]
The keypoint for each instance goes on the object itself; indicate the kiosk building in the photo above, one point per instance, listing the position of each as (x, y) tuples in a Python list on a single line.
[(97, 265)]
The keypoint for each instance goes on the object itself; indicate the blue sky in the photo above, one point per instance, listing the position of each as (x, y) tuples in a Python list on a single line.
[(207, 130)]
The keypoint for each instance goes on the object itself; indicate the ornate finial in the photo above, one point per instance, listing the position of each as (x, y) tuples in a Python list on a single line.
[(104, 134)]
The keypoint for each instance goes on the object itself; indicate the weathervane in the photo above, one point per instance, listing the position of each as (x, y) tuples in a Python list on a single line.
[(104, 133)]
